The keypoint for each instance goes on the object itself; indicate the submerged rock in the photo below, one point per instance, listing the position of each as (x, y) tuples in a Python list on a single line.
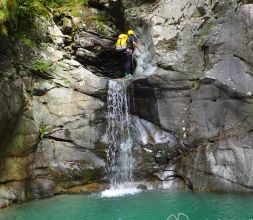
[(142, 187), (89, 188)]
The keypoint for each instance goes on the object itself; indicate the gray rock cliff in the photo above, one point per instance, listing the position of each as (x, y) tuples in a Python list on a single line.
[(191, 99), (200, 89)]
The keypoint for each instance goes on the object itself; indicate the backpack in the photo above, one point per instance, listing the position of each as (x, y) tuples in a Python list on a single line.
[(121, 43)]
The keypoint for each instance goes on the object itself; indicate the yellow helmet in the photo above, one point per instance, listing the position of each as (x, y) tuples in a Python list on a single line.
[(130, 32)]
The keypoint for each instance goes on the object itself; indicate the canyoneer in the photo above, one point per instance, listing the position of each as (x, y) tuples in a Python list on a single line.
[(126, 45)]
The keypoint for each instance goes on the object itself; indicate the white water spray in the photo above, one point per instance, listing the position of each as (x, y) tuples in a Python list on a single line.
[(120, 156)]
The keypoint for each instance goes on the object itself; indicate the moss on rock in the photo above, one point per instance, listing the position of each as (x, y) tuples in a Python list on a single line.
[(89, 176)]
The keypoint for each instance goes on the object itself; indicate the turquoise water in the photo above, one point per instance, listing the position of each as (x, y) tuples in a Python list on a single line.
[(152, 205)]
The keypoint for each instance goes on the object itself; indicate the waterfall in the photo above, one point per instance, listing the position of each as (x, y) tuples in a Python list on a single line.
[(120, 156)]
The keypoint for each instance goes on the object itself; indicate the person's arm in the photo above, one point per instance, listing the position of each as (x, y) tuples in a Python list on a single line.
[(136, 45)]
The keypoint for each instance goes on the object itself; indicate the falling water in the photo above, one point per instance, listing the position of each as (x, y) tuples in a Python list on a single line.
[(120, 157), (121, 160)]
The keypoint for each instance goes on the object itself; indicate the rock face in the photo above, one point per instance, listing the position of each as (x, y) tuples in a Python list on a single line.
[(53, 118), (191, 103), (201, 88)]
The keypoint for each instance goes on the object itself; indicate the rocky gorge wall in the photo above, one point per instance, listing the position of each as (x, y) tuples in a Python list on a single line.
[(201, 90), (191, 99)]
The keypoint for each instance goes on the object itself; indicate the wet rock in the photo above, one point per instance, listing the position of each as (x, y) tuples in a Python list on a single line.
[(97, 51), (11, 97), (152, 147), (232, 75), (226, 161), (142, 187), (89, 188), (198, 89), (192, 99), (41, 87), (90, 84), (12, 192), (4, 202), (41, 187), (67, 26)]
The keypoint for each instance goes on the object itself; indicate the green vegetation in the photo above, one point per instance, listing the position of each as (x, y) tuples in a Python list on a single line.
[(64, 3), (196, 84), (72, 6), (19, 141), (66, 81), (247, 1), (29, 9), (15, 13), (7, 12), (40, 66), (89, 176), (4, 76), (25, 39), (98, 20), (100, 26), (203, 34), (42, 131)]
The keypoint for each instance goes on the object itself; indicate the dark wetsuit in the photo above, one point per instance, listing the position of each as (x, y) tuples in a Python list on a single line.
[(129, 64)]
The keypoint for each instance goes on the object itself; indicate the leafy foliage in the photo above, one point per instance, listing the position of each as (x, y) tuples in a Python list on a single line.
[(29, 9), (7, 12), (14, 11), (63, 3), (41, 66), (25, 39), (42, 131)]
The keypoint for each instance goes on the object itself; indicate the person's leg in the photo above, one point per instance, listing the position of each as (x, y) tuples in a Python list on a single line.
[(125, 65), (132, 66), (128, 65)]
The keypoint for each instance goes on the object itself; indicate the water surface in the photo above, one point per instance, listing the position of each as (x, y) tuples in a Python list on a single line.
[(151, 205)]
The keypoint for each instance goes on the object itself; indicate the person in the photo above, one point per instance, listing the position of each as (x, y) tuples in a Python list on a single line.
[(129, 62)]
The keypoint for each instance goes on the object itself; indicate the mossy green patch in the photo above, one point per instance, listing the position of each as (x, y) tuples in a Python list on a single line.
[(66, 81), (19, 141), (100, 26), (96, 20), (196, 84), (203, 34), (89, 176), (5, 76), (25, 39), (65, 3), (74, 7)]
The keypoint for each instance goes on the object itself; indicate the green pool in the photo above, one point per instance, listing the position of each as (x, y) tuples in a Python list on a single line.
[(151, 205)]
